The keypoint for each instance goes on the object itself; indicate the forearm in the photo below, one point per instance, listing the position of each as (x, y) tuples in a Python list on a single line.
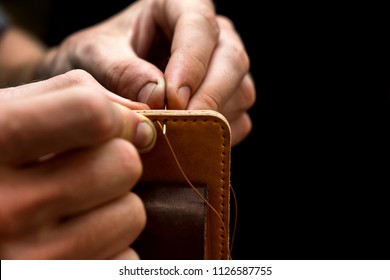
[(20, 55)]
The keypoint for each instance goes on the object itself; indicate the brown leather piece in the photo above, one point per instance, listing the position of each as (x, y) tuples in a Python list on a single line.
[(201, 141), (175, 225)]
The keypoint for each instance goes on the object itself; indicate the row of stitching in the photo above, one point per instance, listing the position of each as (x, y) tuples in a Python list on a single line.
[(203, 120)]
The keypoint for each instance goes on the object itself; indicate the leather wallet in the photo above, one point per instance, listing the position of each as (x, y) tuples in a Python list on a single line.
[(185, 187)]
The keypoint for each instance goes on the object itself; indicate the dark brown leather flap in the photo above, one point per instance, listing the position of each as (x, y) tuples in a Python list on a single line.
[(175, 227)]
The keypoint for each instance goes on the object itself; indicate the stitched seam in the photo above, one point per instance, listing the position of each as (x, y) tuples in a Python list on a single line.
[(222, 244)]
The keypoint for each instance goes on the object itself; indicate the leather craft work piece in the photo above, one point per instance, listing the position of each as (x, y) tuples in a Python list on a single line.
[(185, 187)]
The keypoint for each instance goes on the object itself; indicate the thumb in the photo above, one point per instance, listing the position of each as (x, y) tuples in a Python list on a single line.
[(143, 135), (137, 80)]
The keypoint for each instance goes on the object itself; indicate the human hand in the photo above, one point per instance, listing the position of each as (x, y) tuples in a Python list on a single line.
[(68, 160), (166, 51)]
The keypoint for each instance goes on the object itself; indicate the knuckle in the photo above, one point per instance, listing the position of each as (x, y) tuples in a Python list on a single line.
[(249, 91), (118, 76), (233, 44), (209, 16), (241, 58), (97, 115), (225, 22), (212, 100), (77, 77)]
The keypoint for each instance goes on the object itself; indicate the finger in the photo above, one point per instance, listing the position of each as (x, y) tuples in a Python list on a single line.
[(195, 37), (227, 69), (241, 100), (128, 254), (133, 78), (133, 105), (240, 128), (98, 234), (237, 107), (68, 184), (76, 117), (106, 230), (63, 81)]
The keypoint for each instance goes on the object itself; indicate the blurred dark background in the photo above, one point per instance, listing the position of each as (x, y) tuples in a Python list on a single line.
[(311, 179)]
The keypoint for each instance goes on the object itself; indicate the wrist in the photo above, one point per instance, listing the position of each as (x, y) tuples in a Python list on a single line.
[(20, 54)]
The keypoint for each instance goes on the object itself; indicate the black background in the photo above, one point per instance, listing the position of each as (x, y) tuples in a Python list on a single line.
[(311, 179)]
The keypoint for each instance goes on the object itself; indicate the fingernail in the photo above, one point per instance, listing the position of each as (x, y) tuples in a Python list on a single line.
[(184, 94), (146, 135)]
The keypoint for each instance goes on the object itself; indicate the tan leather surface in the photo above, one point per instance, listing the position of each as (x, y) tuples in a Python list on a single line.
[(201, 142)]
